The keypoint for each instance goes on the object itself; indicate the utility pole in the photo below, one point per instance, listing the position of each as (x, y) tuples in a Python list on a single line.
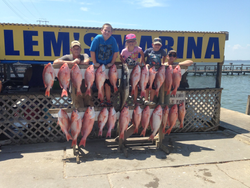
[(41, 21)]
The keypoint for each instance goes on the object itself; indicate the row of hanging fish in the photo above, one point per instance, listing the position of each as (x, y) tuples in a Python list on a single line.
[(142, 76), (65, 74), (76, 124), (166, 116)]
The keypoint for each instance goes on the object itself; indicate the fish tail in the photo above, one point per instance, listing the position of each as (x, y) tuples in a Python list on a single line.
[(121, 137), (78, 93), (68, 137), (73, 143), (151, 137), (108, 134), (143, 93), (168, 91), (132, 92), (168, 131), (88, 92), (136, 130), (174, 92), (115, 89), (100, 133), (157, 92), (181, 125), (143, 132), (64, 93), (99, 95), (47, 92), (82, 142)]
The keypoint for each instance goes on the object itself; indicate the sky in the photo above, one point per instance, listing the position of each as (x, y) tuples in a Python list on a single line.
[(175, 15)]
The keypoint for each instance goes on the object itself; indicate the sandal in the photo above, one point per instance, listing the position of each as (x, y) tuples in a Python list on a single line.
[(149, 103)]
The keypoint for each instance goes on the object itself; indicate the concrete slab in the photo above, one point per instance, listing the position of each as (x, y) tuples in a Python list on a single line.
[(186, 149), (235, 121), (212, 176)]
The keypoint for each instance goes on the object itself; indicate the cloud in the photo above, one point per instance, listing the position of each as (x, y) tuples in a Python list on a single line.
[(84, 9), (83, 3), (150, 3), (236, 47)]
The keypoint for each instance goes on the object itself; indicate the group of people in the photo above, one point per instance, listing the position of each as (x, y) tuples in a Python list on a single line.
[(104, 50)]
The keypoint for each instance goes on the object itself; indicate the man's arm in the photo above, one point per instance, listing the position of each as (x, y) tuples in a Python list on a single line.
[(163, 60), (186, 63), (60, 61)]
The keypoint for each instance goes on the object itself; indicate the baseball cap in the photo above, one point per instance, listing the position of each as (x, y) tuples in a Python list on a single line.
[(75, 43), (130, 36), (172, 51), (157, 41)]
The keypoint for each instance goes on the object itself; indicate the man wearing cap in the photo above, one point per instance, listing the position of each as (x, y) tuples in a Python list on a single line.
[(78, 58), (75, 56)]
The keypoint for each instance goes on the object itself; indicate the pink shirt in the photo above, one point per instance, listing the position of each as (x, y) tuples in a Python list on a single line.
[(131, 58)]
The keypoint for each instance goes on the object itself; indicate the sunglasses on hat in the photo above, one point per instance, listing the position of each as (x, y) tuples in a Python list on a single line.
[(172, 55)]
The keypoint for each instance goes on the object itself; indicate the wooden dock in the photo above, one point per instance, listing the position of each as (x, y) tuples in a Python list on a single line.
[(212, 69)]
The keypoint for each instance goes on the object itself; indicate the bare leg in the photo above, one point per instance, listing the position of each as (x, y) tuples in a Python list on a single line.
[(147, 92), (102, 98), (107, 92), (135, 94), (152, 95)]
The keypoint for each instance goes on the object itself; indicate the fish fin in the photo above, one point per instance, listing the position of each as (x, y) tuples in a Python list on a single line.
[(68, 137), (64, 93), (82, 142)]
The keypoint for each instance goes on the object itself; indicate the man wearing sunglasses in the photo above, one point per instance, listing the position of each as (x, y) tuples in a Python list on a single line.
[(172, 56)]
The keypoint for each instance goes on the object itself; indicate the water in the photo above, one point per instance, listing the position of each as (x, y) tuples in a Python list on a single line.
[(236, 88)]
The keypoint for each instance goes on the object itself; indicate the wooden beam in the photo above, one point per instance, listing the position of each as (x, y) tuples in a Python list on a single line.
[(248, 106)]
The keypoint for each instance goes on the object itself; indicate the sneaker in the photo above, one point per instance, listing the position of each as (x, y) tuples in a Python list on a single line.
[(108, 104), (149, 103), (102, 104)]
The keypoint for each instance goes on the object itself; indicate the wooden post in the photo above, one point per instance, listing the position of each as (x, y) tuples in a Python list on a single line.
[(218, 75), (248, 106)]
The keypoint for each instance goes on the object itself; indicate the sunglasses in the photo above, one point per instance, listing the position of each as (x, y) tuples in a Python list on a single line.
[(172, 55)]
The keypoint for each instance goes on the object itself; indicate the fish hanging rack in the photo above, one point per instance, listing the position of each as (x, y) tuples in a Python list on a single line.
[(162, 100)]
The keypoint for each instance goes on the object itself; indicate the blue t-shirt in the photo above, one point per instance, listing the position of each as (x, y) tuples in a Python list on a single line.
[(104, 50), (154, 57)]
